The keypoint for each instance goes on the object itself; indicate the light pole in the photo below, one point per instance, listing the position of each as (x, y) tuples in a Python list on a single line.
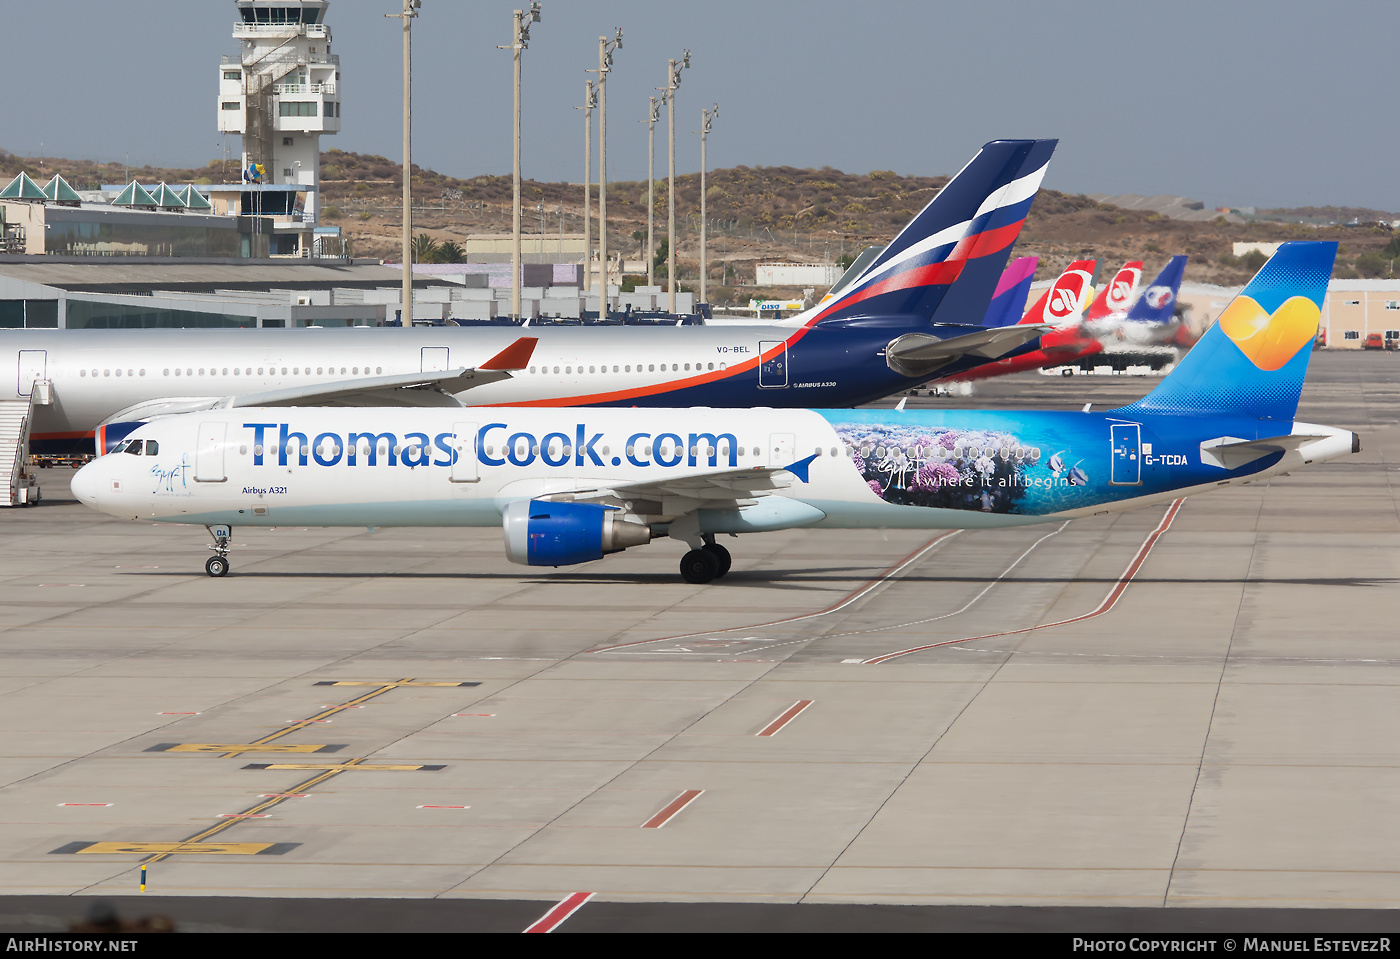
[(706, 118), (590, 100), (673, 80), (605, 60), (409, 12), (520, 42), (652, 117)]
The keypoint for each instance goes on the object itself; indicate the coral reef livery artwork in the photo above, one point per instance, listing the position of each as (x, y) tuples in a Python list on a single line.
[(966, 469)]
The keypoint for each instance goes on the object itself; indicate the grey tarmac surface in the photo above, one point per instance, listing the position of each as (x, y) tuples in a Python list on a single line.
[(1223, 737)]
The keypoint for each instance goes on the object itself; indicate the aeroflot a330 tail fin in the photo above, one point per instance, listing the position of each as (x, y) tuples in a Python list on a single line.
[(1253, 360), (949, 257)]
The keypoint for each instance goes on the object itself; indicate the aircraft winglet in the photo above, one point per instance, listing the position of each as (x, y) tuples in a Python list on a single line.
[(801, 468), (513, 357)]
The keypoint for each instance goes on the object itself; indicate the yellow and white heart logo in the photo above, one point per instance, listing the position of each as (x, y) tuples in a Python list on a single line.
[(1271, 340)]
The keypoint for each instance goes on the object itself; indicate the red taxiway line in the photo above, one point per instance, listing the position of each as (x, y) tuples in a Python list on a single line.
[(1108, 603), (559, 912), (788, 716), (840, 604), (672, 809)]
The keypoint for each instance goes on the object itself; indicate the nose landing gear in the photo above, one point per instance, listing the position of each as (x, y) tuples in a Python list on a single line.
[(218, 565)]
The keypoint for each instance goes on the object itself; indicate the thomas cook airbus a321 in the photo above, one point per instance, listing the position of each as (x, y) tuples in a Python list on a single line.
[(571, 485), (912, 311)]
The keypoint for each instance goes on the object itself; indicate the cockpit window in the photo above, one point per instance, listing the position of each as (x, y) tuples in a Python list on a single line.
[(152, 447), (134, 449), (121, 446)]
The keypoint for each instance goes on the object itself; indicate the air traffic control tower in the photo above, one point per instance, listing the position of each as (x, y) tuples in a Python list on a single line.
[(281, 92)]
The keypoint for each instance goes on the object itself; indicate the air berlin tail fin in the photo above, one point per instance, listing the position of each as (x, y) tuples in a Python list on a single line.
[(1064, 301), (1117, 294)]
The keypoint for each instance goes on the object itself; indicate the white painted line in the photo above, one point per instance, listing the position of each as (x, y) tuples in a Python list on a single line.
[(839, 605), (1109, 601)]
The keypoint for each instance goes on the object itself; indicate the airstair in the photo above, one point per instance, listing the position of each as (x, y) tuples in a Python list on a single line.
[(22, 485)]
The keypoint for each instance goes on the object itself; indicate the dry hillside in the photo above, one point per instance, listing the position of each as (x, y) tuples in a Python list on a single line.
[(757, 214)]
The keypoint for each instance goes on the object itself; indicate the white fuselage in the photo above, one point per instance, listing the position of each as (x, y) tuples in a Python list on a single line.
[(96, 374), (462, 467)]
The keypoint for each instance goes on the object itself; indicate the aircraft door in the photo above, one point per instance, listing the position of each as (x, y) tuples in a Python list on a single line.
[(33, 364), (1126, 439), (209, 454), (773, 371), (464, 461), (435, 359), (780, 446)]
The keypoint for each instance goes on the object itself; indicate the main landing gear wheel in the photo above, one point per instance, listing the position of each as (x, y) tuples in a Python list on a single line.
[(721, 554), (700, 566), (216, 566)]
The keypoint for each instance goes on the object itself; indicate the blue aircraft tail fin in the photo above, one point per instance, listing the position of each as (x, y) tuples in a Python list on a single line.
[(1253, 360), (1158, 302), (954, 250)]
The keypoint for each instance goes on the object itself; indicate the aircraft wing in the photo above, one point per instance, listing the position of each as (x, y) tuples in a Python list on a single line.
[(919, 354), (434, 388), (710, 489)]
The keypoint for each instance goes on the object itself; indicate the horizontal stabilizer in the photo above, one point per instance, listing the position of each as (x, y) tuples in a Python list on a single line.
[(1230, 453), (921, 354)]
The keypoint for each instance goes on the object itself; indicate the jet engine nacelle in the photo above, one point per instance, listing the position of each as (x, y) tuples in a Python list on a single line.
[(544, 533)]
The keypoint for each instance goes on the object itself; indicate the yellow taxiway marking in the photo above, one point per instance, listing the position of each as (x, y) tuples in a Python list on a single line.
[(399, 682), (381, 690), (243, 748), (198, 838), (341, 767), (179, 848)]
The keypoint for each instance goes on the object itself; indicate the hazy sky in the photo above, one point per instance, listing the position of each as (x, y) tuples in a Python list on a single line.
[(1233, 102)]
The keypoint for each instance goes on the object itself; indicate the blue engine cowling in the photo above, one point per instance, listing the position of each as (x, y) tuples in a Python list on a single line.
[(542, 533)]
